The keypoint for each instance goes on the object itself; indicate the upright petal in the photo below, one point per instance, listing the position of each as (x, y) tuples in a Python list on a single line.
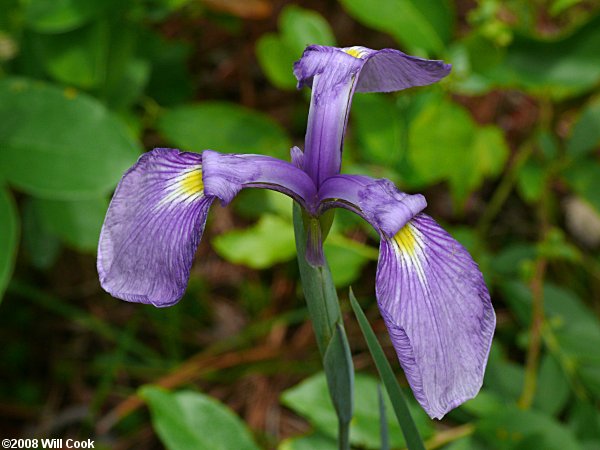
[(226, 174), (334, 74), (152, 228), (438, 312), (331, 74), (378, 201)]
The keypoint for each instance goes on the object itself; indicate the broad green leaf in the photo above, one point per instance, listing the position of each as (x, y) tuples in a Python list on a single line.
[(485, 157), (584, 179), (9, 237), (78, 58), (56, 16), (584, 421), (298, 28), (311, 400), (269, 242), (511, 427), (445, 144), (41, 245), (502, 376), (301, 27), (376, 125), (191, 420), (574, 330), (76, 222), (399, 404), (347, 258), (585, 136), (59, 143), (170, 81), (276, 61), (310, 442), (419, 25), (552, 387), (531, 181), (224, 127), (558, 68)]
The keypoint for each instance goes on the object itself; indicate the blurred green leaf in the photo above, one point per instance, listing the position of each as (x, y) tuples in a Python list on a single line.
[(445, 144), (584, 179), (585, 136), (419, 25), (311, 400), (347, 258), (301, 27), (510, 427), (58, 143), (531, 181), (9, 237), (584, 421), (276, 61), (310, 442), (552, 387), (268, 242), (502, 376), (78, 57), (376, 124), (77, 222), (557, 69), (41, 245), (170, 82), (55, 16), (191, 420), (224, 127), (485, 158), (298, 28)]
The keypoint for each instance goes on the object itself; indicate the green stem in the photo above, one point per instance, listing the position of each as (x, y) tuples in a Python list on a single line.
[(324, 310)]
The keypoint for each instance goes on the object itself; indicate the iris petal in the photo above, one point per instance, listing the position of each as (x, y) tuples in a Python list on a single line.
[(438, 312), (226, 174), (152, 228), (378, 201)]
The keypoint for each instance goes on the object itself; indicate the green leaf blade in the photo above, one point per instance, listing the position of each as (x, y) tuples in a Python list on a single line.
[(58, 143), (191, 420), (405, 420)]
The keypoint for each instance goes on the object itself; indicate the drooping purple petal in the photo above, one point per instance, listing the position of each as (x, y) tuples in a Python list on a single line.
[(390, 70), (377, 200), (226, 174), (152, 228), (438, 312)]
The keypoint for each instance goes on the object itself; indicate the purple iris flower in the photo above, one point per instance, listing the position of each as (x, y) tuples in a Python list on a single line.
[(430, 292)]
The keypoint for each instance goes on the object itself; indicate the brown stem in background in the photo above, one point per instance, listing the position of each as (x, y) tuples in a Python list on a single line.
[(535, 334)]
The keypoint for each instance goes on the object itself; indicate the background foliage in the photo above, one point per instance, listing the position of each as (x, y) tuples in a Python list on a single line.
[(506, 150)]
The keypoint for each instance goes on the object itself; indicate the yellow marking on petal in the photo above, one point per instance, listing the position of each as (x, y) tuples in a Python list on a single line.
[(406, 240), (409, 247), (191, 183), (357, 52)]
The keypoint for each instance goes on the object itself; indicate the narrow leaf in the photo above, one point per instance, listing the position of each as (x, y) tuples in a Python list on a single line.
[(413, 439), (339, 371), (385, 438)]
